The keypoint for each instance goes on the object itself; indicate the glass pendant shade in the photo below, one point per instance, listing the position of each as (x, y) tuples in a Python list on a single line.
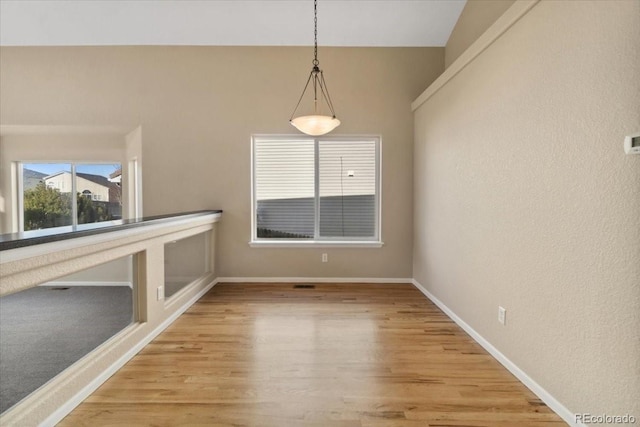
[(315, 125)]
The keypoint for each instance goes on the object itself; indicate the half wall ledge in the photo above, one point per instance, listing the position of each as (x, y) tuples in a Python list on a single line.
[(37, 237), (33, 258)]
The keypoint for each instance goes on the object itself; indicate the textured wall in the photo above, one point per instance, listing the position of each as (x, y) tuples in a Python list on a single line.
[(198, 106), (476, 17), (524, 198)]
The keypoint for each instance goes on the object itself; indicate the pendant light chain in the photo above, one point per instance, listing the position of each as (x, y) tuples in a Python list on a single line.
[(316, 69), (315, 33)]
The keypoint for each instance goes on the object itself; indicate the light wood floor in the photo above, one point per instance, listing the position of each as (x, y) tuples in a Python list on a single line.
[(337, 355)]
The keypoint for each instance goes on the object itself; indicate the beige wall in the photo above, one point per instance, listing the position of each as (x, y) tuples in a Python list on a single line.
[(476, 17), (524, 198), (117, 271), (185, 259), (197, 108)]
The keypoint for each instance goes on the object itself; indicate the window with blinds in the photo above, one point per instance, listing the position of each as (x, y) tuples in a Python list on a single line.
[(316, 189)]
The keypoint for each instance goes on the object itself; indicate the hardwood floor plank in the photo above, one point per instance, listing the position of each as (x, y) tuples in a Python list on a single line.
[(344, 355)]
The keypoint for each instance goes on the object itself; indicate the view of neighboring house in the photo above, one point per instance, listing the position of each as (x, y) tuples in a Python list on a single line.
[(116, 177), (95, 187)]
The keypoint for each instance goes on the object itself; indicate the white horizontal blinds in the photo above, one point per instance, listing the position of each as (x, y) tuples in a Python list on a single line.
[(284, 188), (347, 186)]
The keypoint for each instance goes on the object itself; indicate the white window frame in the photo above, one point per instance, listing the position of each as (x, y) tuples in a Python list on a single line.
[(368, 242), (74, 205)]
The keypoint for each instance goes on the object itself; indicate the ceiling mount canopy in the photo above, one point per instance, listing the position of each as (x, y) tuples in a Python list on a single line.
[(316, 124)]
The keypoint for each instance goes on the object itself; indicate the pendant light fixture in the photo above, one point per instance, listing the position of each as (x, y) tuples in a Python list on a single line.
[(316, 124)]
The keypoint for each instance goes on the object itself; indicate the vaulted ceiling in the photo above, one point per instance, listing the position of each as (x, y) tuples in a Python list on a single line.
[(227, 22)]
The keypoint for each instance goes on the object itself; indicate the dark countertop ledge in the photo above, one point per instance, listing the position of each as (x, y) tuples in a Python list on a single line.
[(37, 237)]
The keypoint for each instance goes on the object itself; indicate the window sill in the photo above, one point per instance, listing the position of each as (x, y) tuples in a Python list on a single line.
[(316, 244)]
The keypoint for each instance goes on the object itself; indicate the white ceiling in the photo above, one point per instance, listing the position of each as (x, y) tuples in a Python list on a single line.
[(227, 22)]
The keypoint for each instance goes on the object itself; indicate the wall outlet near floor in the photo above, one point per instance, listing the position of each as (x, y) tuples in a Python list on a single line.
[(502, 315), (325, 257), (160, 293)]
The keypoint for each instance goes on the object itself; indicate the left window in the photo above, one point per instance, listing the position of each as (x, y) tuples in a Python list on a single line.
[(62, 194)]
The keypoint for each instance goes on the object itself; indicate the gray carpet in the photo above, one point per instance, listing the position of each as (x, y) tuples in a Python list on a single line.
[(44, 330)]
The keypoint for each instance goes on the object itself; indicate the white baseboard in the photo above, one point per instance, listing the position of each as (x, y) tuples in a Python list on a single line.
[(312, 280), (67, 407), (86, 283), (557, 407)]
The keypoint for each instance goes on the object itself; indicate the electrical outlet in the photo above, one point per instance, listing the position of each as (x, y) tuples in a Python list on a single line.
[(502, 315), (325, 257), (160, 293)]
